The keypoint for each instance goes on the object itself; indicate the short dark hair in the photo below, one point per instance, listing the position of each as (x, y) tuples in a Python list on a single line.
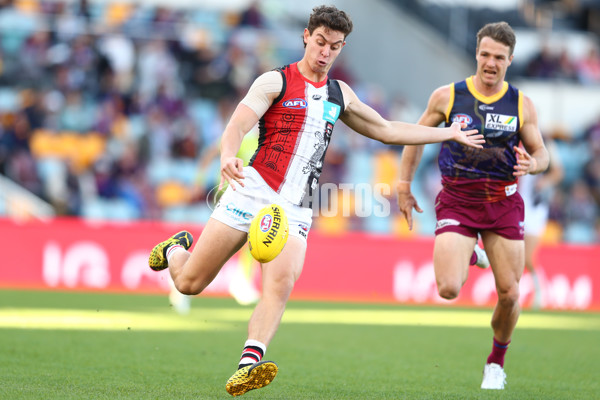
[(500, 32), (331, 18)]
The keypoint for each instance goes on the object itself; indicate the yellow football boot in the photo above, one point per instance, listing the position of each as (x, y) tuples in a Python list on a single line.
[(158, 258), (253, 376)]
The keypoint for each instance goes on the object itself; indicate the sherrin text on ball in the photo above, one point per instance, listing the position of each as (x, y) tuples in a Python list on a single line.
[(268, 233)]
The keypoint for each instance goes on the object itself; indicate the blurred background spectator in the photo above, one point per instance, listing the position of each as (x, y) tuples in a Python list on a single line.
[(107, 108)]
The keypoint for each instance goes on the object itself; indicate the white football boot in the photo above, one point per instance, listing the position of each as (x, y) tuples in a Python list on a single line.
[(482, 259), (493, 377)]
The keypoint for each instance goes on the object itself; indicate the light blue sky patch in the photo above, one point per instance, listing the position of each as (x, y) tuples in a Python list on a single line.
[(331, 112)]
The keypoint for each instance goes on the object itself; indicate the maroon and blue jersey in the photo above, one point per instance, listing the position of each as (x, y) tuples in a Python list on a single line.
[(482, 173)]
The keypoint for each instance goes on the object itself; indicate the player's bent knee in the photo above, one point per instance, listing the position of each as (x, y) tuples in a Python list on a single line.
[(448, 291), (189, 287)]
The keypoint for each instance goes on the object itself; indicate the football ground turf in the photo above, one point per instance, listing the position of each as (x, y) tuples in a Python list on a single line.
[(57, 345)]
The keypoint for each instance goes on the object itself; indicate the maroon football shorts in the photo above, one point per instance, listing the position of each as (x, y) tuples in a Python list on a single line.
[(504, 217)]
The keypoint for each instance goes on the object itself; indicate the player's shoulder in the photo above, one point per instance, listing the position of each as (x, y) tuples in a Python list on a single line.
[(526, 105), (442, 91), (344, 85), (527, 102), (526, 99), (270, 83), (441, 96), (347, 93), (272, 76)]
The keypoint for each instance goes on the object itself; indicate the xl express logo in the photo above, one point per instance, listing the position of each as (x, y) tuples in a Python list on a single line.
[(500, 122), (295, 104)]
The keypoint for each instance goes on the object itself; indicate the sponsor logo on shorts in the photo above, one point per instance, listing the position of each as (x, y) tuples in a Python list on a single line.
[(295, 104), (510, 189), (462, 119), (266, 222), (521, 227), (303, 231), (501, 122), (446, 222), (238, 213)]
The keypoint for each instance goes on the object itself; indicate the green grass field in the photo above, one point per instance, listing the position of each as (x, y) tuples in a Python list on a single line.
[(57, 345)]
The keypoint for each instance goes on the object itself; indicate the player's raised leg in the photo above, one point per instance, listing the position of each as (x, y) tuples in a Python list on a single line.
[(193, 272)]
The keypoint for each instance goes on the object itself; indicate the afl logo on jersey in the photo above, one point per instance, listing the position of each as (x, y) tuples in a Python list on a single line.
[(462, 119), (296, 104)]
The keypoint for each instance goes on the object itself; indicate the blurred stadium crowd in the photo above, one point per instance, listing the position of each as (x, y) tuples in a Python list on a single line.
[(108, 109)]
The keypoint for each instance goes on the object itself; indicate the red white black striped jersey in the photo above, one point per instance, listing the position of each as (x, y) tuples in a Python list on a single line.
[(295, 133)]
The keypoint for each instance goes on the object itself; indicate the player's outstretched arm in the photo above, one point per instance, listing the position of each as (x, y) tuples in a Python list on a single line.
[(366, 121)]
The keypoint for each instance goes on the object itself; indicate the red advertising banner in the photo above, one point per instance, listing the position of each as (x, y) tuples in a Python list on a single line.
[(80, 255)]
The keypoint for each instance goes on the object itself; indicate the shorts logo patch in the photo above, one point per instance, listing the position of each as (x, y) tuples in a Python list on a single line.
[(446, 222), (238, 213), (510, 189), (303, 231), (501, 122), (331, 111), (521, 227)]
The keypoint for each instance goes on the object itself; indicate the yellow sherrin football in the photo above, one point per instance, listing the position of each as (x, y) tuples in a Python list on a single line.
[(268, 233)]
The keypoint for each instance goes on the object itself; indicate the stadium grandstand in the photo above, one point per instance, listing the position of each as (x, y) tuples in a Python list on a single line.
[(112, 110)]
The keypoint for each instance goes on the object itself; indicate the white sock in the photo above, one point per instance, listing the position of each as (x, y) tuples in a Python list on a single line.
[(172, 250), (253, 352)]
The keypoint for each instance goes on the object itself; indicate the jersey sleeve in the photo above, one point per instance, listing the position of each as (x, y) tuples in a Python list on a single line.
[(257, 97)]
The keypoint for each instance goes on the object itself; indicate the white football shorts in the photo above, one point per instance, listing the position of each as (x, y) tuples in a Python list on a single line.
[(237, 208)]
